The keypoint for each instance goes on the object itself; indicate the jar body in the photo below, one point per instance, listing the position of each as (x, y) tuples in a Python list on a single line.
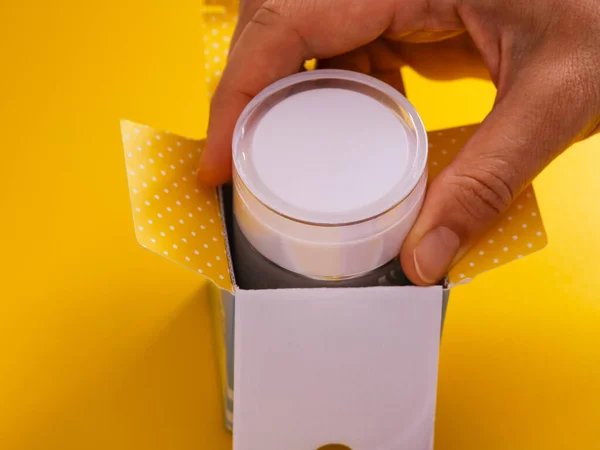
[(254, 271), (324, 253), (329, 175)]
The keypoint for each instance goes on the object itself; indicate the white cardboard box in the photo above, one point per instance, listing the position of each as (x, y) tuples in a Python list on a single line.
[(304, 368)]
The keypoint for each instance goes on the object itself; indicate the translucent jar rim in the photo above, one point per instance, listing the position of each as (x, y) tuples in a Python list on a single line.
[(419, 161)]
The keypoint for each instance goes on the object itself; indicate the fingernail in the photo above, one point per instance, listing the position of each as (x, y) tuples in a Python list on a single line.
[(207, 176), (435, 253), (202, 163), (205, 172), (202, 173)]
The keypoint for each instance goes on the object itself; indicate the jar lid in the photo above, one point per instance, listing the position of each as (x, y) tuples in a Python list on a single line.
[(330, 147)]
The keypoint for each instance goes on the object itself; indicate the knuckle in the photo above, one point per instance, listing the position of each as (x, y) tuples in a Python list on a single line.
[(481, 194), (267, 14), (283, 16), (573, 91), (279, 11)]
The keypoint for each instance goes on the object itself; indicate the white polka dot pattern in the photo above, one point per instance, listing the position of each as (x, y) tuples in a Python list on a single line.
[(518, 233), (174, 216), (218, 26)]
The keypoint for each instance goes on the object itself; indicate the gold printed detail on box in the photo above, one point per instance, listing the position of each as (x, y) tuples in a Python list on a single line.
[(174, 216), (518, 233), (334, 447)]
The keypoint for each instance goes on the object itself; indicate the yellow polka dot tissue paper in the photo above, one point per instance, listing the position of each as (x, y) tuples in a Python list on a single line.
[(181, 220), (174, 216)]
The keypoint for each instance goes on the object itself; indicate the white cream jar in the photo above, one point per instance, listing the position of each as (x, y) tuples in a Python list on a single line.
[(329, 173)]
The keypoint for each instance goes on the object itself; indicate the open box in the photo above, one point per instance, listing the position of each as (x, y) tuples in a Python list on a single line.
[(309, 367)]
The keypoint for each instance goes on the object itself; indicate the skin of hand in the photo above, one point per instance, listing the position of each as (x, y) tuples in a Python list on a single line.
[(542, 55)]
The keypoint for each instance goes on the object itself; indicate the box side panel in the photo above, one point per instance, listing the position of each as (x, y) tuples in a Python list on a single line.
[(352, 366), (222, 305), (445, 300)]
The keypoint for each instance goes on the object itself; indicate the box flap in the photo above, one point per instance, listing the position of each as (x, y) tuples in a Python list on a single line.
[(220, 18), (173, 215), (518, 233), (179, 219), (311, 365)]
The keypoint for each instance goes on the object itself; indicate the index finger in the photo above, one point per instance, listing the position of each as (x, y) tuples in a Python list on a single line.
[(268, 49)]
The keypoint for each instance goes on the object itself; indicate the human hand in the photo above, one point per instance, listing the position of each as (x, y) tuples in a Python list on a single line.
[(543, 56)]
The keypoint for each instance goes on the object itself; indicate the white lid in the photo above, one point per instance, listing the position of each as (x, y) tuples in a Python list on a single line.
[(330, 147), (329, 173)]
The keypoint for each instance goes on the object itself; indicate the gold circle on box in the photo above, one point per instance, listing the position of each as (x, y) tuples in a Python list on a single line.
[(334, 447)]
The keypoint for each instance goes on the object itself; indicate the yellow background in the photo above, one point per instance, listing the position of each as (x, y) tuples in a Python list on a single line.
[(104, 345)]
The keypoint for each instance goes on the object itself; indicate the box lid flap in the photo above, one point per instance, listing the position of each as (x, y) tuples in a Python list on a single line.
[(173, 215), (356, 367), (519, 232), (181, 220)]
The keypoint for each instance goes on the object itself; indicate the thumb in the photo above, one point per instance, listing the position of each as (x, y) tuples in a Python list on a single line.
[(521, 135)]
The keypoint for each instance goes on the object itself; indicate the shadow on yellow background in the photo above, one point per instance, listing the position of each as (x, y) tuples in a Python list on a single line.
[(106, 346)]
